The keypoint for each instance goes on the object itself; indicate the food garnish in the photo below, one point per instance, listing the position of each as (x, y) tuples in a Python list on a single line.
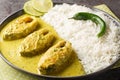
[(42, 5), (37, 7), (30, 10), (94, 18)]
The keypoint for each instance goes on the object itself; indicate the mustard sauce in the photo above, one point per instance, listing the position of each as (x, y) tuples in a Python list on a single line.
[(10, 51)]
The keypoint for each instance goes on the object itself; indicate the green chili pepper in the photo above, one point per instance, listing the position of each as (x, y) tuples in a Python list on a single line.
[(94, 18)]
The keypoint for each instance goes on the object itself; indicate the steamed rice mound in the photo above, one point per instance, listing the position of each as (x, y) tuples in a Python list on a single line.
[(95, 53)]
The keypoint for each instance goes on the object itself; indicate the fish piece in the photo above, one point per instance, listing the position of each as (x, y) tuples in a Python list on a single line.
[(36, 42), (56, 58), (20, 28)]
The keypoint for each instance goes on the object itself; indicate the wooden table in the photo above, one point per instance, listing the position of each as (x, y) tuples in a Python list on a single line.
[(9, 6)]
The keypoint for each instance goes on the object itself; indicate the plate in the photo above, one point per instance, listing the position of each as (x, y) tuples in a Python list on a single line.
[(21, 12)]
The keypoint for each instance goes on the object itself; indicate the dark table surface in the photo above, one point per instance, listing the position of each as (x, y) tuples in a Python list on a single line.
[(9, 6)]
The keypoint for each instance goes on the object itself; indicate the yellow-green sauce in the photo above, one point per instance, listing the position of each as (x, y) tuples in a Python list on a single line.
[(10, 50)]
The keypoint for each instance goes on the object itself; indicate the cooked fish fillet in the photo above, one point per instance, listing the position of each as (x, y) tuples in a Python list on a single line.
[(35, 42), (55, 58), (20, 28)]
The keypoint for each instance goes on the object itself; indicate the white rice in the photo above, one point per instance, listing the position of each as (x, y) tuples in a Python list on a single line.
[(95, 53)]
